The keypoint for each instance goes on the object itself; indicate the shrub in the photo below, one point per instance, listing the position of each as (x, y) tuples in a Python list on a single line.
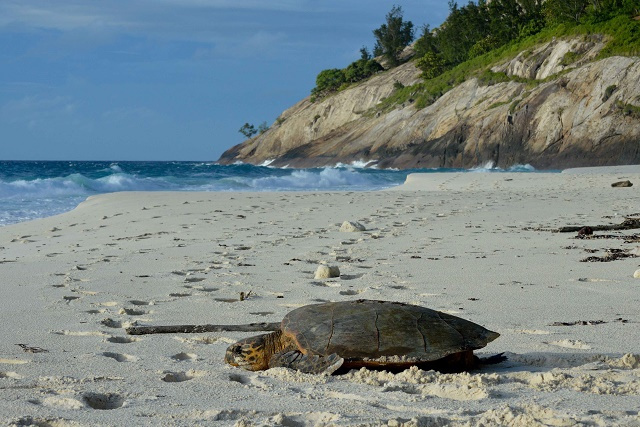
[(608, 92), (569, 58), (497, 104), (629, 110), (361, 69), (489, 78)]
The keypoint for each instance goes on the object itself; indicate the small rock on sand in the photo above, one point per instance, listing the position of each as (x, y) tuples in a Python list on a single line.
[(622, 184), (637, 274), (351, 226), (326, 272)]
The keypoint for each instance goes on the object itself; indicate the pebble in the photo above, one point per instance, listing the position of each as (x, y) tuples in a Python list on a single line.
[(326, 272), (351, 226)]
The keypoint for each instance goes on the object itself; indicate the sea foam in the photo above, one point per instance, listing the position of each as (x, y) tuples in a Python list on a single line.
[(30, 190)]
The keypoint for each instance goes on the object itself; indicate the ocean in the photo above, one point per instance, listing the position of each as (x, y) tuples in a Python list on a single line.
[(37, 189)]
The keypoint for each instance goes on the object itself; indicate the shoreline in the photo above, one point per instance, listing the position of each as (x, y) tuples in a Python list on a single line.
[(476, 245)]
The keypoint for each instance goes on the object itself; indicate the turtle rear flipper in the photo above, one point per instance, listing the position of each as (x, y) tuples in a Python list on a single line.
[(309, 364), (492, 360)]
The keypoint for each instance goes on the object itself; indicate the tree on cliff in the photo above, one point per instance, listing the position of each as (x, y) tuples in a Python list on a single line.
[(393, 37), (248, 130)]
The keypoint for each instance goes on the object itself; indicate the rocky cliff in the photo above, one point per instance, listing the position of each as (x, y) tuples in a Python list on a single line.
[(563, 110)]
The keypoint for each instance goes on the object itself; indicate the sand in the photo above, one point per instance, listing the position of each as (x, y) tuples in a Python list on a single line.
[(476, 245)]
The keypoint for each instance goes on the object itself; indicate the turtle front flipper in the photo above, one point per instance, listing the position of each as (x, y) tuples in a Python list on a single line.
[(309, 364)]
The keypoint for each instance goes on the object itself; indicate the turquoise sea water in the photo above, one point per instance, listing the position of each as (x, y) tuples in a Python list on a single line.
[(36, 189)]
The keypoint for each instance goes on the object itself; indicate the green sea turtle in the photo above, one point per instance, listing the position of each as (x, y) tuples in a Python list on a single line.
[(320, 338)]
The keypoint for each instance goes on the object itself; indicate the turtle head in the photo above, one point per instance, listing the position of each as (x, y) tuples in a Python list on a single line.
[(249, 353)]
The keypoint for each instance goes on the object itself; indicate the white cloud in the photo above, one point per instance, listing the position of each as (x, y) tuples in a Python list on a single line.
[(257, 45), (282, 5), (35, 109), (62, 15), (140, 15)]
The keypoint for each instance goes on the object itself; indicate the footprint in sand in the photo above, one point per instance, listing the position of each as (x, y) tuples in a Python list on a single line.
[(327, 284), (351, 276), (239, 379), (53, 254), (104, 401), (573, 344), (109, 304), (133, 311), (120, 357), (10, 374), (140, 302), (112, 323), (122, 340), (247, 380), (531, 331), (183, 357), (352, 291), (177, 377), (79, 333), (201, 288), (261, 313)]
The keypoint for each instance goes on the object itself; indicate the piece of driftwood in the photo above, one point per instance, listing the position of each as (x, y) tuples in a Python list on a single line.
[(196, 329), (627, 224)]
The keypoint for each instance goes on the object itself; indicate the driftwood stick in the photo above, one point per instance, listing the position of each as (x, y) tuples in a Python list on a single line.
[(627, 224), (196, 329)]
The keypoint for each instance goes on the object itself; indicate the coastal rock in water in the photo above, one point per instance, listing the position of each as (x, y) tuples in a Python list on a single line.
[(622, 184), (574, 115), (326, 272), (351, 226)]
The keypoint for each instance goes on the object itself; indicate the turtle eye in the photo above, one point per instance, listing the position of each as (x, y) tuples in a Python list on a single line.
[(237, 349)]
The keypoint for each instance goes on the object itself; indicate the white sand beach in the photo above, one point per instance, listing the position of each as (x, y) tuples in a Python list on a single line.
[(477, 245)]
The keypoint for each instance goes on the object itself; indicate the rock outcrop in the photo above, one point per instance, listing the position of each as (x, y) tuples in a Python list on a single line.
[(564, 111)]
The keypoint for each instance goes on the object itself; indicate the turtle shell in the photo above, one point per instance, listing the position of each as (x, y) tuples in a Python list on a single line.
[(382, 330)]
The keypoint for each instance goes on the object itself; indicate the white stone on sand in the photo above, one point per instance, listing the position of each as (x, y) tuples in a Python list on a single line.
[(351, 226), (326, 272)]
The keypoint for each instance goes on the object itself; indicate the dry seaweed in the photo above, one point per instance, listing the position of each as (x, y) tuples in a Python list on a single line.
[(627, 224), (30, 349), (612, 255)]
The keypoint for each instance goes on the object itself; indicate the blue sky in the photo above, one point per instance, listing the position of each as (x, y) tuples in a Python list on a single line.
[(168, 79)]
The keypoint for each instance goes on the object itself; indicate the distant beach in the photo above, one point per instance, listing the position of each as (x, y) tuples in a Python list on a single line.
[(37, 189)]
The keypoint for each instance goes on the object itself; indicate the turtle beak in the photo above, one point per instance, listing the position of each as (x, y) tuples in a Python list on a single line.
[(234, 355)]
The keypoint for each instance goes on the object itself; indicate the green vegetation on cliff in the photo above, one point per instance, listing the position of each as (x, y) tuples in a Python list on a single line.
[(479, 35), (391, 39), (441, 71)]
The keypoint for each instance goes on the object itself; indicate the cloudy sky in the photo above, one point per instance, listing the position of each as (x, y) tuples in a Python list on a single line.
[(168, 79)]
